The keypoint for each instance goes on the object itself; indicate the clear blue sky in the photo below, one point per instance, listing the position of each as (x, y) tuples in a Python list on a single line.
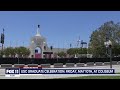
[(59, 27)]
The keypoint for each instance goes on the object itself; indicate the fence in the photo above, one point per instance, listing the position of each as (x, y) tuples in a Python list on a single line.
[(52, 61)]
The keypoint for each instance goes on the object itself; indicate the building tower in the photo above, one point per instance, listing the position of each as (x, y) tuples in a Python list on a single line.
[(37, 41)]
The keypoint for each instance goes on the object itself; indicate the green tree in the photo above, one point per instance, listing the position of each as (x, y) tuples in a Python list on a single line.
[(108, 30), (22, 51), (27, 52), (82, 51), (62, 54), (77, 51), (9, 51), (1, 53), (72, 51)]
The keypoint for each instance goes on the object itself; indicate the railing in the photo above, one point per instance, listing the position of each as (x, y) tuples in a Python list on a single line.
[(52, 61)]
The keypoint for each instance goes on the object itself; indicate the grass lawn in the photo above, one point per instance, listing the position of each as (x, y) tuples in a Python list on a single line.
[(93, 77)]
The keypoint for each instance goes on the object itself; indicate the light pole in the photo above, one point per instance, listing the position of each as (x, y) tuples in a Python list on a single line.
[(110, 56), (43, 49), (108, 44), (2, 41), (18, 59)]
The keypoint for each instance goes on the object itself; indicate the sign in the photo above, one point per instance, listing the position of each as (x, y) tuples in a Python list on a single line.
[(12, 72), (17, 71)]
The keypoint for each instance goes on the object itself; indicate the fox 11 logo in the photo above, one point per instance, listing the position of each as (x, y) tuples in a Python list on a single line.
[(12, 71)]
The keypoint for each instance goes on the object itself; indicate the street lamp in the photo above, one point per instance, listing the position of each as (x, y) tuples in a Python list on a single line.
[(2, 41), (108, 44), (43, 48)]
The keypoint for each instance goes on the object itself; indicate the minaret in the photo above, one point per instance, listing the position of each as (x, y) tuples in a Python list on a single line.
[(38, 34)]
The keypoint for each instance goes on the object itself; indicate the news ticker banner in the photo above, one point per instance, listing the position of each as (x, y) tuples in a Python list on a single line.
[(18, 71)]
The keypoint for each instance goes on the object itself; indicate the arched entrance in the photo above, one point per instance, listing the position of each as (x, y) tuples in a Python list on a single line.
[(37, 45), (38, 52)]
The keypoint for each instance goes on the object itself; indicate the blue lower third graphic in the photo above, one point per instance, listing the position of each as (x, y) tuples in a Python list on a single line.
[(58, 71), (67, 71)]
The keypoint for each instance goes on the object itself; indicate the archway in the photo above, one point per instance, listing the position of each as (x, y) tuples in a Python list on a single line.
[(38, 52), (37, 45)]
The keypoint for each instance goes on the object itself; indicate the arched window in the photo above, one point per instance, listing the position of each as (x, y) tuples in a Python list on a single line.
[(37, 50)]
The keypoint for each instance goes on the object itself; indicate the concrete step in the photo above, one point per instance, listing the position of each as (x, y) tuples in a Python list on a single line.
[(99, 63), (45, 65), (90, 63), (80, 64), (70, 65), (58, 65), (6, 65)]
